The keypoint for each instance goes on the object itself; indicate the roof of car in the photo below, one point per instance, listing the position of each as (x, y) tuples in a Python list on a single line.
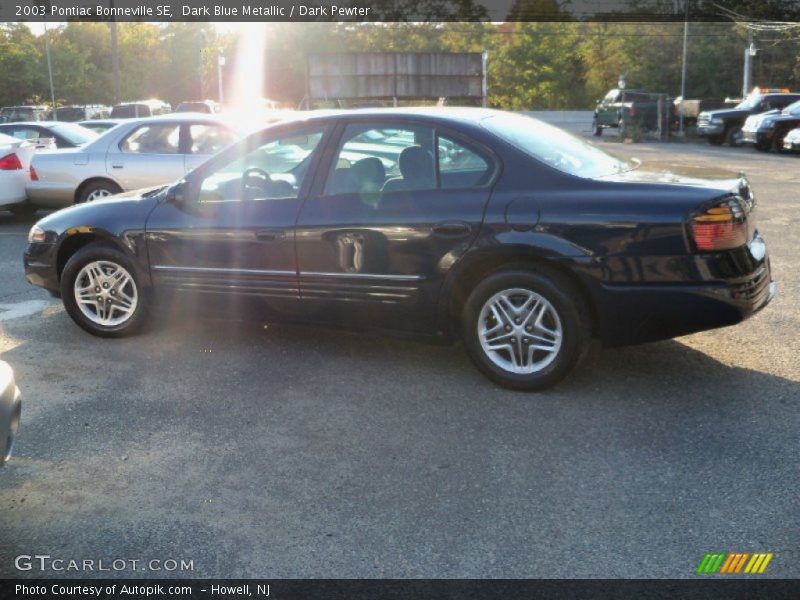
[(195, 116), (39, 123), (452, 113)]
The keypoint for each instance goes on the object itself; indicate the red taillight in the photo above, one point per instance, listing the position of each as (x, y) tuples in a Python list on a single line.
[(632, 111), (10, 162), (721, 227), (34, 174)]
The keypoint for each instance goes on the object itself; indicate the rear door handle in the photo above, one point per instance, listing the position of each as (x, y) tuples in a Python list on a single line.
[(270, 235), (451, 229), (116, 166)]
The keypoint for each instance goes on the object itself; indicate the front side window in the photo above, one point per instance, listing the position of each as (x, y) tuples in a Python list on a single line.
[(153, 139), (209, 139), (274, 170)]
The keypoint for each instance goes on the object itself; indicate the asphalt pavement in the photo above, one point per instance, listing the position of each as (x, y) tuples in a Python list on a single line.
[(257, 450)]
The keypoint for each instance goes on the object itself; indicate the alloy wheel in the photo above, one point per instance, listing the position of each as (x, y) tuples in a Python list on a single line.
[(97, 194), (106, 293), (520, 331)]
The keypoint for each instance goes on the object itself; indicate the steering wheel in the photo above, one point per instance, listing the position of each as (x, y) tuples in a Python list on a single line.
[(255, 180)]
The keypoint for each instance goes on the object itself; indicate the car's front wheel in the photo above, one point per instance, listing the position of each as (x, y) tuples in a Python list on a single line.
[(734, 136), (102, 291), (523, 329), (598, 131)]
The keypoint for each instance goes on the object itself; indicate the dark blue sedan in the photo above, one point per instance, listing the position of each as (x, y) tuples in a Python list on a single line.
[(518, 238)]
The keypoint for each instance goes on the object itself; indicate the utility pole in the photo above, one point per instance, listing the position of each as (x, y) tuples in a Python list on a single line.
[(749, 53), (50, 70), (115, 58), (683, 65)]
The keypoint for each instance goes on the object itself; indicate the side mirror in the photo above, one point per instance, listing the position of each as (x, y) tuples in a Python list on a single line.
[(176, 194)]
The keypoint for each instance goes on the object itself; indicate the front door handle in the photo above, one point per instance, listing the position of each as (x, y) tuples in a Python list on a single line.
[(451, 229), (116, 166), (270, 235)]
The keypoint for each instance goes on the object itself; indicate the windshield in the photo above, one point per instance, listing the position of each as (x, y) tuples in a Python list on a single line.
[(553, 146), (75, 134), (793, 109), (750, 102)]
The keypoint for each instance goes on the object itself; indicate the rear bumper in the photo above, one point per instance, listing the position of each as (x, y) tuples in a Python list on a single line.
[(641, 314), (632, 313), (50, 195)]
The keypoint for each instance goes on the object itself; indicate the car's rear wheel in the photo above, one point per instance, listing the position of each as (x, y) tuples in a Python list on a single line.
[(98, 190), (525, 330), (102, 291)]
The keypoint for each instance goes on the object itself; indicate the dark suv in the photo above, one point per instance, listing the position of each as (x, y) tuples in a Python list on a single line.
[(621, 108), (725, 125)]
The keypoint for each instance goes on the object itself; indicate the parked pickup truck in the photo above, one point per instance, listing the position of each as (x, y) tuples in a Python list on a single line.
[(621, 108), (725, 125)]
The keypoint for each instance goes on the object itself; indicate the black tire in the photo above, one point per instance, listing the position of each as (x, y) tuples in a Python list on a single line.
[(597, 130), (103, 187), (22, 210), (563, 298), (716, 140), (733, 136), (93, 252), (777, 142)]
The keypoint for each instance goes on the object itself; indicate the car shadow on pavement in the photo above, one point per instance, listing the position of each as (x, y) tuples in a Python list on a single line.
[(364, 436)]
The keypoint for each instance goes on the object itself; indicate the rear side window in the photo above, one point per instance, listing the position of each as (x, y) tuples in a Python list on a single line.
[(377, 159), (209, 139), (383, 158), (25, 133), (153, 139), (460, 166)]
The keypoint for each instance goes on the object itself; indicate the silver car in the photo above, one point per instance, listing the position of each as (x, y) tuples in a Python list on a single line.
[(135, 154), (10, 411)]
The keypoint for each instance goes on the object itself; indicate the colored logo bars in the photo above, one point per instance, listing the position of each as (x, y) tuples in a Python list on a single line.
[(734, 562)]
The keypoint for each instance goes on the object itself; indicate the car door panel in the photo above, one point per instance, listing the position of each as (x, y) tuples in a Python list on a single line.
[(382, 257), (136, 162), (234, 235), (221, 249)]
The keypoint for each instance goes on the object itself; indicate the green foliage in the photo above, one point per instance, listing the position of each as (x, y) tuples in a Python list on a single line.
[(544, 65)]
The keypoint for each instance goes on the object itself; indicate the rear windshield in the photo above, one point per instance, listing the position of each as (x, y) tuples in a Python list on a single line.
[(128, 111), (193, 107), (553, 146), (74, 133), (70, 114)]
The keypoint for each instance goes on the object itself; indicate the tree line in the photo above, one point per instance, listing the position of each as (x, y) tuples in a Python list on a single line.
[(530, 65)]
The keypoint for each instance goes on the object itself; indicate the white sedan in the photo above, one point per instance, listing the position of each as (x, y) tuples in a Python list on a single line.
[(15, 162), (135, 154)]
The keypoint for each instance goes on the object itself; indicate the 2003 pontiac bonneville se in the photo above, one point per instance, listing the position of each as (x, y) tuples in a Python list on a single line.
[(525, 240)]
